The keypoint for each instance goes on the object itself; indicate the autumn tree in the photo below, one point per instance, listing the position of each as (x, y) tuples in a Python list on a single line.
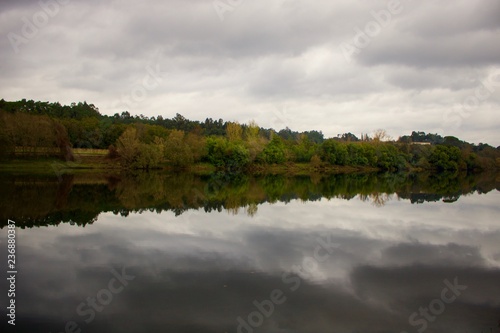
[(128, 145), (6, 143), (197, 145), (62, 142), (253, 141), (177, 151), (252, 130), (315, 161), (150, 156), (33, 134), (234, 132), (139, 155)]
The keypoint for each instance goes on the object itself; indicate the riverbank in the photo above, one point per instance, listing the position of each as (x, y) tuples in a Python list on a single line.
[(85, 163), (47, 166), (95, 160)]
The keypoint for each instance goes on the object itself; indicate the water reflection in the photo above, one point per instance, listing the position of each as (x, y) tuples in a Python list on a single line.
[(199, 272), (79, 199)]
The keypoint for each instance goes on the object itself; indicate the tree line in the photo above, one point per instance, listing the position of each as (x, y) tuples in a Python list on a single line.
[(35, 128)]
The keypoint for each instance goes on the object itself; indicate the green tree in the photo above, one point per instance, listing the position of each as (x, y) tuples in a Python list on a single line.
[(334, 152), (356, 154), (274, 152), (225, 154), (389, 157), (304, 149), (111, 133), (445, 157)]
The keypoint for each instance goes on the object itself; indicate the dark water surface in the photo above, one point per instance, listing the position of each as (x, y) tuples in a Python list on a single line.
[(157, 252)]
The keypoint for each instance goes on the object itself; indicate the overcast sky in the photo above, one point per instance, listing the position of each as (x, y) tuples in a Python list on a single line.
[(336, 66)]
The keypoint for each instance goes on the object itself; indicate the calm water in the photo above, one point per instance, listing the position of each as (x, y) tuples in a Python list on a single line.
[(181, 253)]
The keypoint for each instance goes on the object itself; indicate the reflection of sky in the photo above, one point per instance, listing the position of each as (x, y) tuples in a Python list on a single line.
[(198, 272)]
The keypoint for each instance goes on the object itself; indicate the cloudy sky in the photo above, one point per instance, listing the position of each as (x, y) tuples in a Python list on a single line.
[(336, 66)]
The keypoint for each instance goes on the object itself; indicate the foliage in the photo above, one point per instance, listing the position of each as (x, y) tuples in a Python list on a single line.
[(274, 152), (33, 135), (315, 161), (225, 154), (357, 155), (150, 156), (8, 146), (197, 145), (234, 132), (135, 154), (304, 149), (128, 146), (288, 134), (389, 158), (445, 158), (31, 128), (63, 142), (112, 152), (177, 151), (334, 152), (422, 137), (251, 131)]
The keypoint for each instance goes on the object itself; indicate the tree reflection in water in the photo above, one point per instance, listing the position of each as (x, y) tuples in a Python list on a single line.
[(41, 201)]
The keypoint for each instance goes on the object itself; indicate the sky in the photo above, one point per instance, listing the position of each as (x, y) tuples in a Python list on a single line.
[(335, 66)]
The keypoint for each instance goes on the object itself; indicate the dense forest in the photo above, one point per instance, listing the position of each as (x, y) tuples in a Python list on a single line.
[(35, 129)]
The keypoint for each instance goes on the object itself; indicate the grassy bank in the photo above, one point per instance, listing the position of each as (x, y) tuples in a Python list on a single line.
[(92, 162), (89, 160)]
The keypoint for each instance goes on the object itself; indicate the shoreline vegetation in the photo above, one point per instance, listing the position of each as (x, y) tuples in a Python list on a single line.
[(55, 166), (43, 138)]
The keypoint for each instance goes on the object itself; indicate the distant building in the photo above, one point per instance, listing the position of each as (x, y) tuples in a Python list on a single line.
[(421, 143)]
